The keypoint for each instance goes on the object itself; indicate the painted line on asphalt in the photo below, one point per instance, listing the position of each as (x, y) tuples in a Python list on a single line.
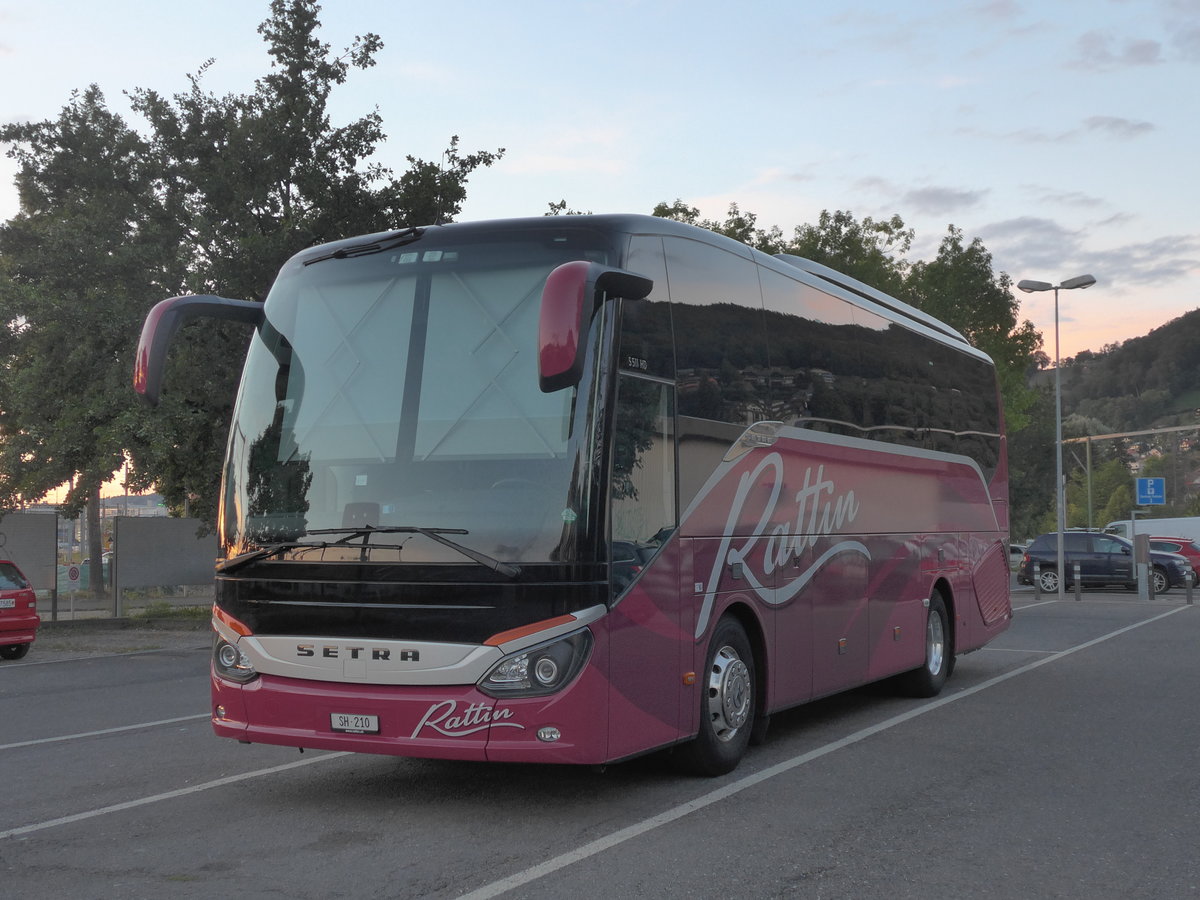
[(1007, 650), (102, 731), (168, 795), (1033, 605), (504, 885), (496, 888), (207, 646)]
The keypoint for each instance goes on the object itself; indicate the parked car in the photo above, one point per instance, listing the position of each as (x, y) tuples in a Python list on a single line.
[(1103, 559), (1016, 553), (18, 612), (1183, 546)]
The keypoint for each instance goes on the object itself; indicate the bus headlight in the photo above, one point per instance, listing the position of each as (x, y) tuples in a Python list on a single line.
[(231, 662), (539, 670)]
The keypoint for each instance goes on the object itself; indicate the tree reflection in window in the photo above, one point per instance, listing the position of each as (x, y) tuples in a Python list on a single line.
[(276, 490), (643, 474)]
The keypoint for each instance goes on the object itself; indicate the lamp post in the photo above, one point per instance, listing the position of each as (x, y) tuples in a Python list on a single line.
[(1029, 287)]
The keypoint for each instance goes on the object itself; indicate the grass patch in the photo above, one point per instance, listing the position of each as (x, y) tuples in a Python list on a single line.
[(162, 610)]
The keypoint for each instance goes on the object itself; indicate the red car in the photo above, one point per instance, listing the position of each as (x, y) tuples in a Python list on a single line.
[(18, 612), (1181, 545)]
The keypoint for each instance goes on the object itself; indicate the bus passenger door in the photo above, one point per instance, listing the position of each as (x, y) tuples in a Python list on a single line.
[(647, 635)]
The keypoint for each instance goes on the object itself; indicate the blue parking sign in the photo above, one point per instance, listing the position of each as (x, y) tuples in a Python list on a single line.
[(1151, 491)]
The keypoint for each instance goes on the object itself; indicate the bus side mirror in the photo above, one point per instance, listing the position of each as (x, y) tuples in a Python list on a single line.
[(570, 296), (165, 319)]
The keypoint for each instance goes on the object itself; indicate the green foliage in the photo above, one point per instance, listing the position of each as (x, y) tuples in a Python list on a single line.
[(1031, 470), (871, 251), (738, 225), (1118, 504), (561, 209), (224, 190), (89, 245)]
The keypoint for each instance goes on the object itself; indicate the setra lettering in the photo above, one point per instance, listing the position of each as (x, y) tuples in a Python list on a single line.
[(335, 651)]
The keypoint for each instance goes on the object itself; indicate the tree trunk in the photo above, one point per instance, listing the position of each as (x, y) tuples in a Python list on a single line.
[(95, 544)]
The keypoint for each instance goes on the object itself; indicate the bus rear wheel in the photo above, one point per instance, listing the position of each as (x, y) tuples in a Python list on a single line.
[(727, 704), (930, 678)]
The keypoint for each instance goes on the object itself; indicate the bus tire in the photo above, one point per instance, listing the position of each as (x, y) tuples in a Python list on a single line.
[(727, 704), (930, 678)]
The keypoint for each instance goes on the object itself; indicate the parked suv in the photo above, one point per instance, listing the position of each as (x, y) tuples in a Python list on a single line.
[(1102, 558), (18, 612)]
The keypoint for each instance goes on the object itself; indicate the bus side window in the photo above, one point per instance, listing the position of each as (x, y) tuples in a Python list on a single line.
[(646, 344), (720, 352), (816, 378)]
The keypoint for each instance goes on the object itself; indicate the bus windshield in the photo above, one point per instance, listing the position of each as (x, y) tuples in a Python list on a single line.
[(399, 389)]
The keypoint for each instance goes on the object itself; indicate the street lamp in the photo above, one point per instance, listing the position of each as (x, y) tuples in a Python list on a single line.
[(1029, 287)]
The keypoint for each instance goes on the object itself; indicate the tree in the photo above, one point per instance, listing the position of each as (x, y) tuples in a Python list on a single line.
[(960, 288), (873, 252), (89, 245), (221, 194), (741, 226)]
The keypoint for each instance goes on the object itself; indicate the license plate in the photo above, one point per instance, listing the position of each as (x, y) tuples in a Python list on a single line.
[(353, 723), (8, 602)]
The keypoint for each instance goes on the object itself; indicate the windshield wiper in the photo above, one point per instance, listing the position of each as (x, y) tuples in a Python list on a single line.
[(435, 534), (270, 550), (365, 532), (387, 242)]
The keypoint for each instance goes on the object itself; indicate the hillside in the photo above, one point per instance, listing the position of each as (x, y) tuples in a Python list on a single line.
[(1145, 382)]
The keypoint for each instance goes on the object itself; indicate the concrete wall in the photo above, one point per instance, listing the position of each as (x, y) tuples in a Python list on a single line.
[(151, 551), (31, 541)]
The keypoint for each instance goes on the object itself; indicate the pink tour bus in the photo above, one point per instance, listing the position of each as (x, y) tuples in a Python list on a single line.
[(574, 489)]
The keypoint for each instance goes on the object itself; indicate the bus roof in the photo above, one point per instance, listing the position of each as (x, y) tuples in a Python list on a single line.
[(820, 276)]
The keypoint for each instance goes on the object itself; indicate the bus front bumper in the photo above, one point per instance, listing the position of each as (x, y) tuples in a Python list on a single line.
[(446, 722)]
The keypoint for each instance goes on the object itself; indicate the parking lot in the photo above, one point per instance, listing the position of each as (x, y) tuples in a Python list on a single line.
[(1061, 761)]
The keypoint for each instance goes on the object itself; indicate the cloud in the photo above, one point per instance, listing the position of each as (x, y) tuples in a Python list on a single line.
[(1046, 250), (1031, 244), (1076, 199), (776, 174), (1151, 263), (1117, 126), (1110, 126), (876, 184), (940, 200), (1000, 9), (1186, 42), (1116, 219), (1101, 52)]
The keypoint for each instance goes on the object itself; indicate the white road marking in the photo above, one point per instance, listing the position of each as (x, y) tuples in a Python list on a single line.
[(496, 888), (168, 795), (88, 734)]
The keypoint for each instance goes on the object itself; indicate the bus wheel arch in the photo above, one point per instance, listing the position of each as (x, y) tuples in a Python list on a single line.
[(729, 698)]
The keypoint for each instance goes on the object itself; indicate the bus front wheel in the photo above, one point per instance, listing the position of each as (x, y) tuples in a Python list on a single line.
[(727, 703), (930, 678)]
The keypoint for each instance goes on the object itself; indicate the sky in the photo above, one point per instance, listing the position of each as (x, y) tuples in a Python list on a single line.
[(1063, 133)]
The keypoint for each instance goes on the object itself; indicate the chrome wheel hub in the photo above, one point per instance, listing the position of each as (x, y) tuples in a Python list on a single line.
[(730, 693), (935, 643)]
